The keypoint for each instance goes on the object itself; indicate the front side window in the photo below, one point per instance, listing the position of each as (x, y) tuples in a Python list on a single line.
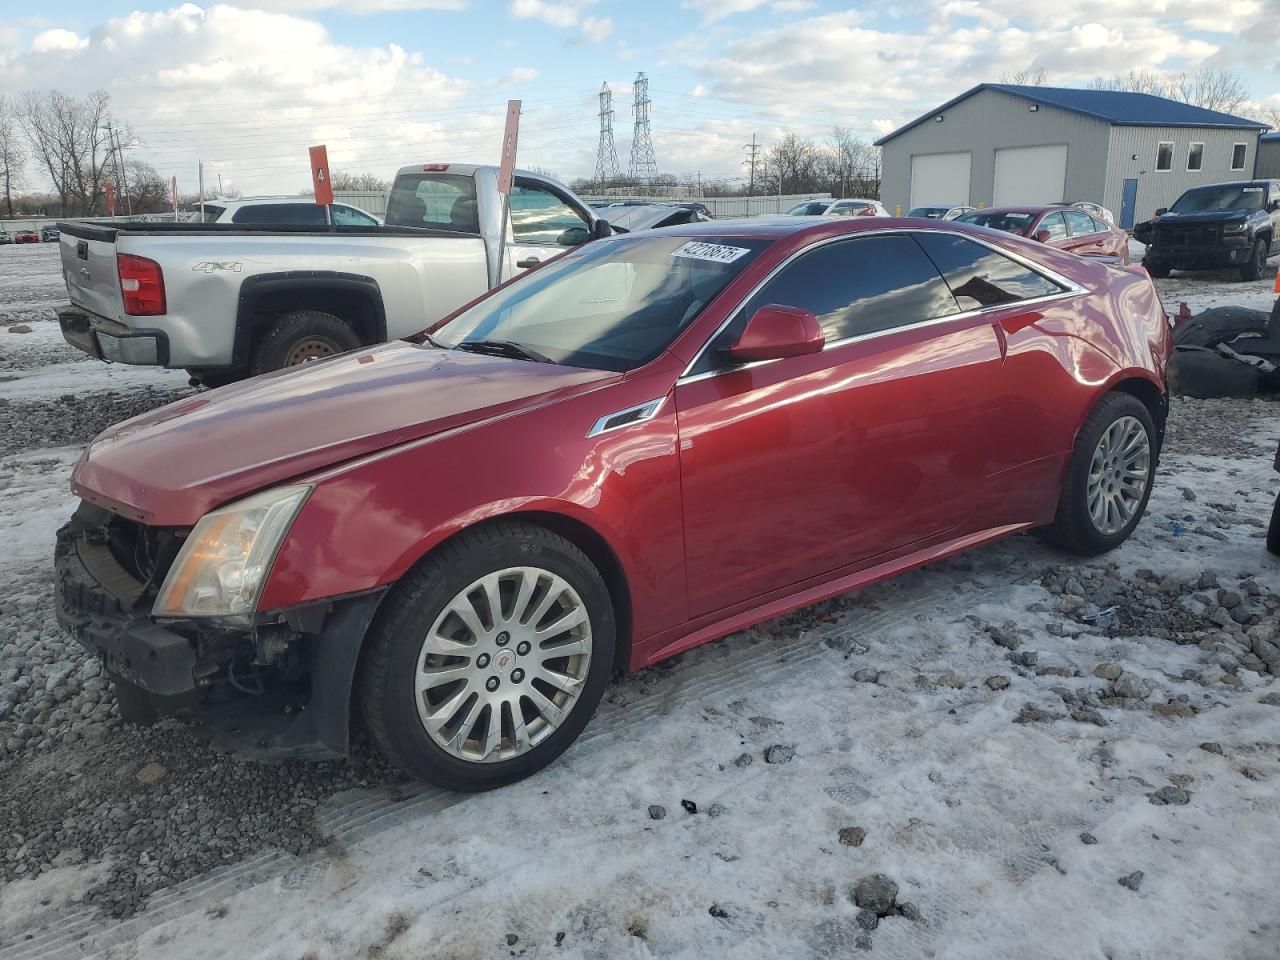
[(439, 201), (611, 305), (539, 216), (1195, 156), (280, 213), (1080, 222), (981, 277), (1054, 225), (351, 217), (1238, 151), (1164, 155)]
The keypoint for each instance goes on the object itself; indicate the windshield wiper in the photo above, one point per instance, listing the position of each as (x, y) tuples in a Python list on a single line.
[(504, 348)]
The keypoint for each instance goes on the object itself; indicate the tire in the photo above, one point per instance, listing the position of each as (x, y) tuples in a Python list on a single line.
[(1252, 269), (1273, 531), (1074, 528), (216, 378), (300, 336), (464, 753), (1158, 270)]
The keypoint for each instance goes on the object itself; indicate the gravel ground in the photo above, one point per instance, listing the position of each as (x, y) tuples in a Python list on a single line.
[(156, 806)]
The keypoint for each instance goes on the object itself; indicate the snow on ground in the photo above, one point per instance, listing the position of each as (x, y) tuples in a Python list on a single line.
[(999, 726)]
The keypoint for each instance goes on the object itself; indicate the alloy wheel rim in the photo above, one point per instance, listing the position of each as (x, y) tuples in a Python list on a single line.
[(503, 664), (312, 348), (1119, 472)]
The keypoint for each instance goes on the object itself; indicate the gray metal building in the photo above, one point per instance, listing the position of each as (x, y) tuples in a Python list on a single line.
[(1268, 166), (1001, 144)]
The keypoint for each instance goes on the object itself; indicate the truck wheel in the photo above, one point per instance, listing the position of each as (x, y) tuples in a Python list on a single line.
[(1273, 531), (1252, 269), (1108, 478), (301, 336), (1158, 270), (488, 658)]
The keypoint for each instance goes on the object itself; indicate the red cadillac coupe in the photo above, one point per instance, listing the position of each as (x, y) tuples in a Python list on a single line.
[(652, 441)]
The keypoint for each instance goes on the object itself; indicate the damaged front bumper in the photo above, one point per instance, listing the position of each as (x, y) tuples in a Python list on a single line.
[(278, 685)]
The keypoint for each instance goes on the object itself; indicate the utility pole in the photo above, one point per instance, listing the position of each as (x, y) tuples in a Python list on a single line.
[(220, 193), (117, 161), (752, 150)]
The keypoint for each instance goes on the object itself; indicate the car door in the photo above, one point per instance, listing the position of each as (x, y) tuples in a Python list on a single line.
[(796, 467), (1086, 239), (543, 224)]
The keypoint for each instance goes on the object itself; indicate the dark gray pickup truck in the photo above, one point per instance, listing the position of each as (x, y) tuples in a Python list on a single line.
[(1214, 226)]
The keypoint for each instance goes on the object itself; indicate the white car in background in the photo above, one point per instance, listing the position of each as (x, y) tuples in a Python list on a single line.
[(939, 213), (856, 207), (280, 210), (1097, 209)]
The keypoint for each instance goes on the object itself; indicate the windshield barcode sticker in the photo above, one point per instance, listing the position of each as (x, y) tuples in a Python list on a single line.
[(697, 250)]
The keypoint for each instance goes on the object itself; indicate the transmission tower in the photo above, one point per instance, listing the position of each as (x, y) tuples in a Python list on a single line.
[(643, 165), (607, 171)]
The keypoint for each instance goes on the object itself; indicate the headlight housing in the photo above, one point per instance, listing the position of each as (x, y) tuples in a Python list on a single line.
[(1238, 227), (222, 566)]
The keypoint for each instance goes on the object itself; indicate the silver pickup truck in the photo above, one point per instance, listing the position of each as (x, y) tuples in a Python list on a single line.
[(226, 301)]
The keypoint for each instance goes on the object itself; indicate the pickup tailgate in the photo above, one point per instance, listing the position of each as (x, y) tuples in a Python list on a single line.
[(89, 268)]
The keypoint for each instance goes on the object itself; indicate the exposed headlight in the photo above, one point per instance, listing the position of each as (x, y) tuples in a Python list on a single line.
[(221, 568), (1238, 227)]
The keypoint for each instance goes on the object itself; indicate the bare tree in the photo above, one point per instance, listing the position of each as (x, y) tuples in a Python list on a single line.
[(1212, 89), (71, 142), (358, 182), (1272, 117), (147, 192), (1027, 77), (12, 156), (791, 164)]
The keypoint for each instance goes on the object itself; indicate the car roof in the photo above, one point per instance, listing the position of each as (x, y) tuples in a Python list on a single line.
[(1046, 208), (800, 229)]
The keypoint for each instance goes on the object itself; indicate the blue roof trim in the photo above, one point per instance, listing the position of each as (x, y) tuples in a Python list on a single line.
[(1114, 107), (1273, 137)]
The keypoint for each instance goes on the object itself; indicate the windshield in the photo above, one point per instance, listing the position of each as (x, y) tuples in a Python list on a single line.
[(1225, 196), (809, 208), (611, 305), (1008, 222)]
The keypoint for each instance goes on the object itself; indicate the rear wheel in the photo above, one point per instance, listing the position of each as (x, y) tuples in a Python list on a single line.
[(1157, 269), (1253, 267), (489, 658), (1273, 531), (301, 336), (1108, 479)]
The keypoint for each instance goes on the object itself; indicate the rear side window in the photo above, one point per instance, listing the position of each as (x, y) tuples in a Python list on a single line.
[(441, 201), (856, 287), (1055, 225), (980, 277), (280, 213), (1080, 223)]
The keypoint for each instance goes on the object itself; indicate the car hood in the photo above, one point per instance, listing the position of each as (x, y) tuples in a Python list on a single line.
[(171, 466), (1204, 216)]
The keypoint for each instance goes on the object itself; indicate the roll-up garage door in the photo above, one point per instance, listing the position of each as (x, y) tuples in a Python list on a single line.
[(939, 179), (1030, 175)]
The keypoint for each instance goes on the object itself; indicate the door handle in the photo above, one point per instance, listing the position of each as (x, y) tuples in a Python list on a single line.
[(528, 262)]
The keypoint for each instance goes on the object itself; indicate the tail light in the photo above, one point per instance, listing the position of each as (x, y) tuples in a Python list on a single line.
[(142, 283)]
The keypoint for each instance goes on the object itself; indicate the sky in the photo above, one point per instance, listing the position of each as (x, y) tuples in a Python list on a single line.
[(247, 87)]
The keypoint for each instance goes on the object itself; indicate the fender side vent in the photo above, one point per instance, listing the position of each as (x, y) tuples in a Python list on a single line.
[(626, 418)]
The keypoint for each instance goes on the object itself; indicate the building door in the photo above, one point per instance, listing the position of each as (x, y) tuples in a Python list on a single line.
[(1030, 175), (1128, 200), (940, 179)]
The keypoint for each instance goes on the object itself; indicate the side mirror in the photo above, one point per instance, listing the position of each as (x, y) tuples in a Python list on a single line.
[(1162, 211), (573, 237), (1043, 236), (774, 332), (1273, 206), (600, 229)]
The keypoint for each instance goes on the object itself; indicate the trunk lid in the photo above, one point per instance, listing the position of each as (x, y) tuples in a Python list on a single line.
[(89, 268)]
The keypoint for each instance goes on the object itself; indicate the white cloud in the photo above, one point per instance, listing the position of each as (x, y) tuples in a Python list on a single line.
[(597, 29), (518, 75), (713, 10), (356, 6), (566, 13), (57, 40)]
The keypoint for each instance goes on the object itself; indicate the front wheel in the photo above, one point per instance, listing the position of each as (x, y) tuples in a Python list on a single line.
[(1253, 267), (1159, 271), (1273, 531), (488, 658), (1108, 479)]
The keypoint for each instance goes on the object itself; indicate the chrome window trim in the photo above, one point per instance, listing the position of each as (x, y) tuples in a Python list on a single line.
[(647, 411), (1070, 289)]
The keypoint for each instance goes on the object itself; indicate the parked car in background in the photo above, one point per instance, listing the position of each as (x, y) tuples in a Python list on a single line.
[(282, 210), (26, 236), (809, 208), (1066, 228), (854, 207), (228, 300), (5, 237), (939, 213), (1218, 225), (651, 216), (50, 233), (1095, 209), (646, 444)]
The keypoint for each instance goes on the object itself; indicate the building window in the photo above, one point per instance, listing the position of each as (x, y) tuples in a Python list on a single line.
[(1164, 155), (1195, 156), (1237, 156)]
